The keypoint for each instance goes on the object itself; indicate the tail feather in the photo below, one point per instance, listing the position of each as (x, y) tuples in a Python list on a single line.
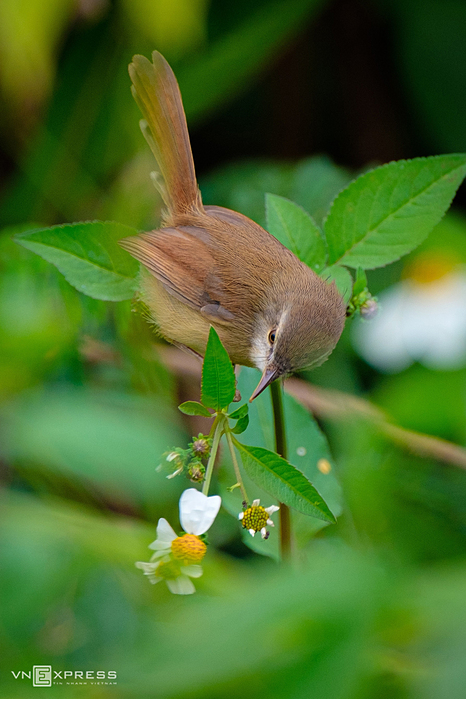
[(164, 126)]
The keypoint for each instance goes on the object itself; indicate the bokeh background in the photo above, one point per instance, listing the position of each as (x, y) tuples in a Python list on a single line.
[(293, 97)]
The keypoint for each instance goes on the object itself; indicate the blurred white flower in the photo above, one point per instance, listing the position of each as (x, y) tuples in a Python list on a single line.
[(175, 556), (422, 318), (256, 518)]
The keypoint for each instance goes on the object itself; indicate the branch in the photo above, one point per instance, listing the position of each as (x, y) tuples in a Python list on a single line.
[(332, 404), (326, 404)]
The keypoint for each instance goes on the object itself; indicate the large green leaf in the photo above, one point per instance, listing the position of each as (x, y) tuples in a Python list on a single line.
[(296, 230), (283, 481), (388, 211), (218, 377), (88, 255)]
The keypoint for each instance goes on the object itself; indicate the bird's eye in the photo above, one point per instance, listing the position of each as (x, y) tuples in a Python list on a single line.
[(272, 335)]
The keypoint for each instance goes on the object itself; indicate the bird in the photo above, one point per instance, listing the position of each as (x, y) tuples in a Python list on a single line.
[(211, 266)]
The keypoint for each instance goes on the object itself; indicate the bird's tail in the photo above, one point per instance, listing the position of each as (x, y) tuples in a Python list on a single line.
[(157, 94)]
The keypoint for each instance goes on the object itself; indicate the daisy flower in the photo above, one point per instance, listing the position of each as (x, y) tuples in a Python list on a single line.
[(422, 318), (256, 518), (176, 558)]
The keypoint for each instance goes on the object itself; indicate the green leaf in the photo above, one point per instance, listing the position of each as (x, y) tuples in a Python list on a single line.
[(240, 412), (343, 280), (389, 211), (296, 230), (360, 283), (287, 484), (241, 425), (307, 446), (194, 409), (88, 255), (218, 377)]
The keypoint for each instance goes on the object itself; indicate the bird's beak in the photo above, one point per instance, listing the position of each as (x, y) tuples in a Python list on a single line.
[(268, 376)]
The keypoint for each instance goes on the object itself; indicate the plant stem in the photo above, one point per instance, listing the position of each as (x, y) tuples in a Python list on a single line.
[(218, 430), (236, 467), (281, 448)]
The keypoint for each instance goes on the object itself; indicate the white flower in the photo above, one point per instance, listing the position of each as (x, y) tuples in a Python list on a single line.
[(256, 518), (175, 556), (418, 321), (197, 511)]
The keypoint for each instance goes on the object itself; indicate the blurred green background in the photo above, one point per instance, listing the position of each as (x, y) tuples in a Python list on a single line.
[(292, 97)]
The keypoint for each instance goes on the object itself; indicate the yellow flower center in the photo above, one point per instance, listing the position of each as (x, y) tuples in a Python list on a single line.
[(429, 267), (188, 548), (168, 570), (255, 518)]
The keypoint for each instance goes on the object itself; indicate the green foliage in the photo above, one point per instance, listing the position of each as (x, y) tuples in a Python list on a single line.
[(387, 212), (342, 278), (194, 409), (218, 377), (107, 444), (240, 54), (88, 255), (87, 405), (432, 64), (276, 476), (307, 446), (296, 230)]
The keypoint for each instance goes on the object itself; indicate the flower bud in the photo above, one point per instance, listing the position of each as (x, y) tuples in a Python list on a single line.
[(201, 446), (369, 309), (196, 471)]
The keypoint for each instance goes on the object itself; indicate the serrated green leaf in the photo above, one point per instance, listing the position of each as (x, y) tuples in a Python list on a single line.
[(218, 377), (240, 412), (296, 230), (88, 255), (389, 211), (307, 446), (283, 481), (194, 409), (343, 280), (241, 425)]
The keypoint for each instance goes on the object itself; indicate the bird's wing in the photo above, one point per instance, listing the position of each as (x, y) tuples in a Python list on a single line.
[(180, 259)]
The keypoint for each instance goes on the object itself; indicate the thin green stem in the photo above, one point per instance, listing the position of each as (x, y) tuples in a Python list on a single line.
[(236, 466), (218, 430), (281, 448)]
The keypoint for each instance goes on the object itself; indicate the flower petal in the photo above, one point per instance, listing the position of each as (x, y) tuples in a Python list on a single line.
[(180, 585), (149, 570), (146, 567), (272, 509), (256, 502), (159, 554), (192, 571), (165, 535), (198, 512)]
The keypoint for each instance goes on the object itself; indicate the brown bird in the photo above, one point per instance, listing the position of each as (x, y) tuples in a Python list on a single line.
[(208, 265)]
